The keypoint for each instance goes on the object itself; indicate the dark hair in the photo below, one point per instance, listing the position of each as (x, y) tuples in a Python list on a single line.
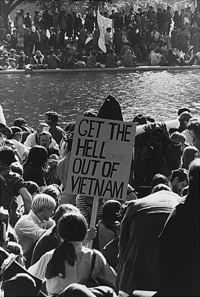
[(19, 122), (111, 210), (52, 191), (15, 130), (64, 208), (194, 124), (37, 156), (194, 184), (32, 187), (71, 227), (159, 179), (181, 173), (182, 109), (7, 156), (52, 116), (20, 285)]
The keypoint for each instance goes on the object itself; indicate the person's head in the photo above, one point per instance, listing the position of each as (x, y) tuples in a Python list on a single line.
[(45, 139), (52, 30), (16, 133), (160, 187), (128, 51), (179, 137), (38, 53), (159, 179), (32, 188), (64, 208), (16, 249), (17, 168), (189, 154), (194, 181), (194, 130), (131, 194), (22, 284), (53, 191), (51, 117), (42, 127), (184, 119), (43, 206), (183, 109), (22, 53), (19, 122), (37, 156), (72, 227), (8, 37), (179, 180), (111, 211), (7, 156)]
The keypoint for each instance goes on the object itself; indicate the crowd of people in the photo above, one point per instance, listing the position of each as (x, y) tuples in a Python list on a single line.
[(58, 39), (147, 242)]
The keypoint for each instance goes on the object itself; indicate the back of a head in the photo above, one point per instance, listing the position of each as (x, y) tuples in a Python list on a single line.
[(32, 187), (183, 109), (64, 208), (7, 156), (111, 211), (37, 156), (52, 191), (41, 201), (72, 227), (20, 285), (159, 179)]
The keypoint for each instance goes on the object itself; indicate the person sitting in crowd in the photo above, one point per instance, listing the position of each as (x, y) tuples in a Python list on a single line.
[(179, 180), (35, 167), (30, 227), (61, 269), (128, 59), (14, 184), (39, 61), (189, 154), (33, 138), (53, 61)]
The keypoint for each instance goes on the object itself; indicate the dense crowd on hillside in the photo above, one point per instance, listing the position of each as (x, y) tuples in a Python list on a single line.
[(68, 40), (148, 241)]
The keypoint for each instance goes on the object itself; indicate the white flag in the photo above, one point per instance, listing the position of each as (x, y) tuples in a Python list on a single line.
[(103, 24)]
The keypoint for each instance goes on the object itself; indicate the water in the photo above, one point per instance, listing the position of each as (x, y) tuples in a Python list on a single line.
[(159, 94)]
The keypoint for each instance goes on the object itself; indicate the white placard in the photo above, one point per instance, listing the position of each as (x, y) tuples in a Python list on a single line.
[(101, 158)]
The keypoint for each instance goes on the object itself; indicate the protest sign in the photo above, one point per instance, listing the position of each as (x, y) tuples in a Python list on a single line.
[(101, 158)]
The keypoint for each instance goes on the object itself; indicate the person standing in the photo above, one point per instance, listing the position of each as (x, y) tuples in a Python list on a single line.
[(179, 243)]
